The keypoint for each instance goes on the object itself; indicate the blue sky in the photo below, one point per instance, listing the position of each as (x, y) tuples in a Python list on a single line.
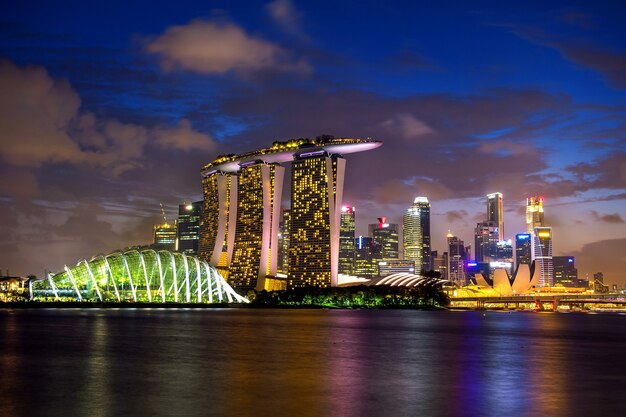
[(112, 108)]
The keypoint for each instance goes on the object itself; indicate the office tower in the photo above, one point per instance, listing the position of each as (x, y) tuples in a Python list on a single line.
[(495, 212), (367, 256), (165, 236), (523, 245), (416, 239), (395, 266), (440, 263), (284, 229), (534, 213), (255, 250), (387, 235), (189, 227), (486, 241), (542, 254), (217, 224), (565, 272), (456, 259), (316, 194), (598, 276), (346, 240)]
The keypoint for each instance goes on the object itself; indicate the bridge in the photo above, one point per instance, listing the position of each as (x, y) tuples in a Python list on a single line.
[(542, 302)]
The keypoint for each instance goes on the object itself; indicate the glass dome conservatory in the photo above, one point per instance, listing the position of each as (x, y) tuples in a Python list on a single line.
[(138, 276)]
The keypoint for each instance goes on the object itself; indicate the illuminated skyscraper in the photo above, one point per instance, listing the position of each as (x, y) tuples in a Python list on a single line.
[(565, 272), (316, 193), (534, 213), (366, 257), (495, 212), (456, 259), (416, 238), (346, 240), (386, 234), (440, 263), (217, 224), (165, 236), (486, 241), (542, 254), (189, 228), (523, 249), (255, 251)]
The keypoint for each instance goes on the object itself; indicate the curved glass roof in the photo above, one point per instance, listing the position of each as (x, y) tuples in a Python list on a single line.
[(138, 276)]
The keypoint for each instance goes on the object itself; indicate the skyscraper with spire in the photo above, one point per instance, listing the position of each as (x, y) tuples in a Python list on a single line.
[(534, 213)]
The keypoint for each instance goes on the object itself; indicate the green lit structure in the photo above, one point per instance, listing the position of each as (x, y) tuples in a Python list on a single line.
[(137, 276)]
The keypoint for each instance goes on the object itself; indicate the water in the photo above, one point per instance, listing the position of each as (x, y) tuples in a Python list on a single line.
[(181, 362)]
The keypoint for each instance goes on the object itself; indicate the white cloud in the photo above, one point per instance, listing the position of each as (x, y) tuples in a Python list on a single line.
[(284, 14), (408, 126), (219, 48)]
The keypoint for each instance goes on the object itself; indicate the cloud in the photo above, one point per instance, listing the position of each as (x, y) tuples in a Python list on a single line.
[(454, 215), (42, 123), (614, 218), (284, 13), (607, 256), (611, 64), (408, 126), (219, 48)]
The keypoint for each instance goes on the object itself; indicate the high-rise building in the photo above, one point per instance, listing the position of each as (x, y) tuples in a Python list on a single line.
[(284, 229), (456, 259), (598, 276), (534, 213), (523, 246), (495, 212), (165, 236), (346, 240), (217, 224), (542, 254), (316, 194), (395, 266), (189, 227), (255, 251), (416, 238), (565, 272), (440, 263), (367, 257), (386, 234), (486, 241)]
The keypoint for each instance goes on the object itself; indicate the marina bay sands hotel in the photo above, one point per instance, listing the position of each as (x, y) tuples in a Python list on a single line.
[(242, 210)]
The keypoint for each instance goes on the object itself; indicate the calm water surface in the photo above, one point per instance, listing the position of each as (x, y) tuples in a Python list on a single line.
[(231, 362)]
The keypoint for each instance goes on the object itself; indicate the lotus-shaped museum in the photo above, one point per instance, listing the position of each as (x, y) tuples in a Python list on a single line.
[(138, 276)]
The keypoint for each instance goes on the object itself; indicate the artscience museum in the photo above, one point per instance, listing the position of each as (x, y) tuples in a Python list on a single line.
[(137, 276)]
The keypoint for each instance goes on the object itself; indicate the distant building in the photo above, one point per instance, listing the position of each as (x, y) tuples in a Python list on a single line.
[(534, 213), (347, 229), (386, 235), (598, 276), (395, 266), (456, 260), (486, 238), (565, 272), (600, 287), (165, 236), (495, 212), (523, 249), (189, 216), (366, 257), (542, 255), (416, 237), (440, 263)]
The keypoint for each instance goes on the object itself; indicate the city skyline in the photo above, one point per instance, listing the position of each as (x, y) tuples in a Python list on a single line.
[(101, 127)]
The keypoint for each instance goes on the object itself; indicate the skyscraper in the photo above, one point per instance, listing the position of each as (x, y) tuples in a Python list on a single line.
[(486, 241), (495, 212), (565, 272), (217, 224), (386, 234), (456, 259), (542, 254), (416, 238), (440, 263), (346, 240), (189, 227), (523, 246), (534, 213), (366, 257), (316, 194), (255, 251)]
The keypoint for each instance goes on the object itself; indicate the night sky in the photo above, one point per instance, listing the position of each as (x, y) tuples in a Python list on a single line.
[(109, 109)]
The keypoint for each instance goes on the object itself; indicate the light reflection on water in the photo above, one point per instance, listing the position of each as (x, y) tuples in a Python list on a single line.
[(309, 363)]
